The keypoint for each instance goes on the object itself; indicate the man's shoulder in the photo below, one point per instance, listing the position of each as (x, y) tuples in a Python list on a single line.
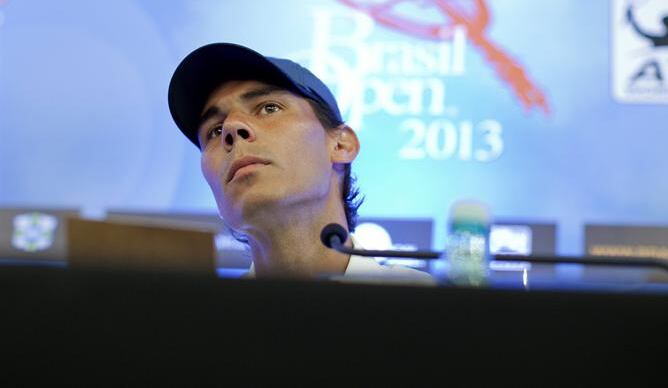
[(368, 270)]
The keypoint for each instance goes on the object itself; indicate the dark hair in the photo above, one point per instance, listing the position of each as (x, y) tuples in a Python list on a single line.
[(350, 194)]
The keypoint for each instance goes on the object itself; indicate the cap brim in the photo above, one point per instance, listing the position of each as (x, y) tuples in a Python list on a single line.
[(206, 68)]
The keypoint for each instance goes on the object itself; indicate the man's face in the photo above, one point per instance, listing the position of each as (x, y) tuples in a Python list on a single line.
[(262, 148)]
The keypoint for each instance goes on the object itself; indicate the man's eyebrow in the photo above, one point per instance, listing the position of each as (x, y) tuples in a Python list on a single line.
[(247, 96), (263, 91)]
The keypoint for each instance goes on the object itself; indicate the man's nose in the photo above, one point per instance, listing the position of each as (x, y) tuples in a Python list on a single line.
[(236, 129)]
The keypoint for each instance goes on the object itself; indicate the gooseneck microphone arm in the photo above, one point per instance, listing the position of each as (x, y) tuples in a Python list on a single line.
[(593, 260), (334, 236)]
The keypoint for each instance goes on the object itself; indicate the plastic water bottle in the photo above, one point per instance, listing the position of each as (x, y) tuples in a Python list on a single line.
[(467, 250)]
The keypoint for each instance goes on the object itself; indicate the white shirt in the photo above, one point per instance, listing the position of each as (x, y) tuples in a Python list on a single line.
[(367, 270)]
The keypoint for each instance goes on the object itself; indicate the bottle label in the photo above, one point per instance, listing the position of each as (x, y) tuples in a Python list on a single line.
[(468, 255)]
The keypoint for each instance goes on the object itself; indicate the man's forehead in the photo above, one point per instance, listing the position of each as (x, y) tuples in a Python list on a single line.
[(242, 89), (243, 83)]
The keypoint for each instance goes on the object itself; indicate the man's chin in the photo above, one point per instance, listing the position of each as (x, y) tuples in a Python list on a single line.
[(250, 207)]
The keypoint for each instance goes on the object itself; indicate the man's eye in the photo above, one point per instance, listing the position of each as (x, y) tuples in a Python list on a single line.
[(214, 132), (270, 108)]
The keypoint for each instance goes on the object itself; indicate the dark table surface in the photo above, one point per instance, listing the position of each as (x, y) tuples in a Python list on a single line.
[(144, 327)]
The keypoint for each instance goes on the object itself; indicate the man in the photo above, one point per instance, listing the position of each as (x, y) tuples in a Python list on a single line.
[(277, 157)]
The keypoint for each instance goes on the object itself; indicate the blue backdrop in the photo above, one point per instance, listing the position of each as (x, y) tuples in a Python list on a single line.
[(541, 109)]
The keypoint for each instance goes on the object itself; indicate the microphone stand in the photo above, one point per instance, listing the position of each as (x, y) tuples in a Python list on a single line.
[(333, 236)]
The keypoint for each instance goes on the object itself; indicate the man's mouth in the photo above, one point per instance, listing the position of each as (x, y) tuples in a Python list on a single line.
[(241, 163)]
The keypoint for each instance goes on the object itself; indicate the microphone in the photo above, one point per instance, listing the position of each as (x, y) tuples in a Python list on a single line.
[(333, 236)]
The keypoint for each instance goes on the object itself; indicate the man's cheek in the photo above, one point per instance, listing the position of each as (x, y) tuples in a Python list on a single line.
[(210, 179)]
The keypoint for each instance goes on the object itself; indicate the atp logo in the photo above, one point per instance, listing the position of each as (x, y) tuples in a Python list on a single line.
[(34, 231), (640, 51)]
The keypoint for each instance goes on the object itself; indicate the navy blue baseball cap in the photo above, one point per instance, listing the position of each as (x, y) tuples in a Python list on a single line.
[(206, 68)]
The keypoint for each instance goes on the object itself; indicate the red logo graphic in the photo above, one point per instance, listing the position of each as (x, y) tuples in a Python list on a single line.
[(475, 22)]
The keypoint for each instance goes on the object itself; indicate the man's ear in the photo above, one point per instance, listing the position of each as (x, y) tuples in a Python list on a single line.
[(344, 145)]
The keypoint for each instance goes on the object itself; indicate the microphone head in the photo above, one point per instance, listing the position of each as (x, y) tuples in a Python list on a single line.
[(332, 230)]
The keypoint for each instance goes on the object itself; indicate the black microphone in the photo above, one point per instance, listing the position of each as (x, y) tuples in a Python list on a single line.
[(334, 236)]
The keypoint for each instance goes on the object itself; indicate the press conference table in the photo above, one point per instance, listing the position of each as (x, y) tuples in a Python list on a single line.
[(141, 327)]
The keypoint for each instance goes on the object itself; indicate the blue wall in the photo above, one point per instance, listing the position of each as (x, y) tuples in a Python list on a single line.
[(84, 119)]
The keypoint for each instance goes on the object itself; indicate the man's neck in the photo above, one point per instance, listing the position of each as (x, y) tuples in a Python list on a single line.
[(290, 246)]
